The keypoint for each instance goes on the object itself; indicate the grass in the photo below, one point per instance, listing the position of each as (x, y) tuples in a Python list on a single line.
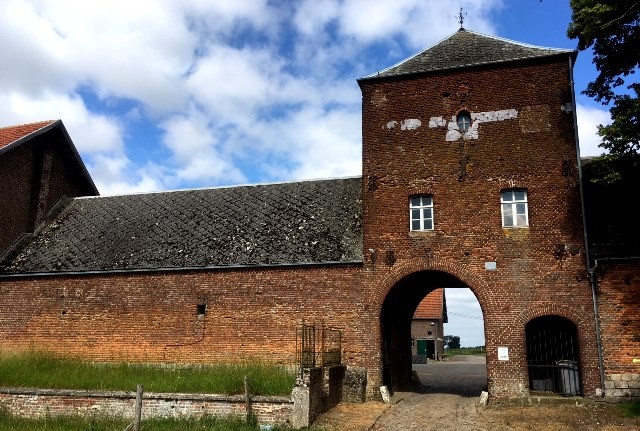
[(42, 370), (630, 409), (466, 351)]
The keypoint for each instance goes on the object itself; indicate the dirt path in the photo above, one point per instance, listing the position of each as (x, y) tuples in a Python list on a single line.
[(448, 401)]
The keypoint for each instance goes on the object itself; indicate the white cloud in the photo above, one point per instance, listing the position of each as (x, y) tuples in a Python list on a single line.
[(221, 85), (196, 150), (588, 120), (90, 132)]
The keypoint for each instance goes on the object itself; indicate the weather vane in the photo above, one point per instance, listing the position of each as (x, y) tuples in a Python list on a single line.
[(461, 17)]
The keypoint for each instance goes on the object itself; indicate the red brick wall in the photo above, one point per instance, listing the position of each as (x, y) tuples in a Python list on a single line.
[(536, 266), (251, 314), (619, 308)]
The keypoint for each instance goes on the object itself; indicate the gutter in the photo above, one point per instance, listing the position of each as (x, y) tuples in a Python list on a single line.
[(590, 270), (180, 269)]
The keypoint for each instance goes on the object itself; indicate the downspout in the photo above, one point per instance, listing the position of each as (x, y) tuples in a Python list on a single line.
[(590, 270)]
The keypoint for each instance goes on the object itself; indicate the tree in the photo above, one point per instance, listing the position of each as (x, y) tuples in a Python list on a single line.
[(611, 28), (451, 341)]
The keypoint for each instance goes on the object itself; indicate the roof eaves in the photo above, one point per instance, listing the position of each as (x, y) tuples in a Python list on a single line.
[(177, 269), (78, 158), (466, 66)]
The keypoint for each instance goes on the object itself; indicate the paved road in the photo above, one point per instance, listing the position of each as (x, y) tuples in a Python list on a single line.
[(446, 401)]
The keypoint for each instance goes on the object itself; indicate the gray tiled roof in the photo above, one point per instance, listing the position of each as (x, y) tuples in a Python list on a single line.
[(466, 48), (287, 223)]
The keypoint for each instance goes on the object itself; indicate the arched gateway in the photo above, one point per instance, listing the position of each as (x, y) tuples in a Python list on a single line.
[(395, 322)]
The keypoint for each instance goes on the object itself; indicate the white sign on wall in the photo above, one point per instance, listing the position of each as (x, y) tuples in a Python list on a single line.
[(503, 353)]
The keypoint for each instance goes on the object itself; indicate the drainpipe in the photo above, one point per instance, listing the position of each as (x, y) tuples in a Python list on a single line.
[(591, 270)]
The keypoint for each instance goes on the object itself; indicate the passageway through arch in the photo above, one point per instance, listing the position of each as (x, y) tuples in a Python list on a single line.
[(408, 353)]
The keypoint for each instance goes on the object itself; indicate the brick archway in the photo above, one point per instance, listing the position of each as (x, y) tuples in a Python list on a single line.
[(398, 294), (415, 265)]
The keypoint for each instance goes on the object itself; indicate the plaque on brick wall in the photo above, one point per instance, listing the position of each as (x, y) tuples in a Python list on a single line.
[(503, 353)]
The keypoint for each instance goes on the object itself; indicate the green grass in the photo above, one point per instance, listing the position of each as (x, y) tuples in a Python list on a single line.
[(466, 351), (631, 409), (42, 370)]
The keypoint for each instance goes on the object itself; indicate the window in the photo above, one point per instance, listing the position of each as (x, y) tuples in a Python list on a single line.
[(421, 213), (514, 208), (201, 309), (464, 121)]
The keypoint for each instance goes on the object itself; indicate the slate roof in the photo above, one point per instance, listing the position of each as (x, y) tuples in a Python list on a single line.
[(9, 135), (464, 49), (433, 306), (287, 223)]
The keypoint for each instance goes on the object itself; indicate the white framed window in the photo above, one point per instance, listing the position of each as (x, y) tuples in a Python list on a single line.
[(515, 211), (421, 213)]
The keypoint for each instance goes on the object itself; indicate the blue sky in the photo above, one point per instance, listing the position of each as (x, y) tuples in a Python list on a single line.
[(163, 94)]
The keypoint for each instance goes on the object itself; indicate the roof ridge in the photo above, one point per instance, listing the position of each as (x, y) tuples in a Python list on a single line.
[(515, 42), (33, 123)]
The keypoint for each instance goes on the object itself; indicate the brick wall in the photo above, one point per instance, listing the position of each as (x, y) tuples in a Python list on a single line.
[(16, 170), (40, 403), (619, 308), (35, 175), (422, 329), (250, 314)]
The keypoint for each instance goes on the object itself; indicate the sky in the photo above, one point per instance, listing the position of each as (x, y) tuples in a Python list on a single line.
[(174, 94)]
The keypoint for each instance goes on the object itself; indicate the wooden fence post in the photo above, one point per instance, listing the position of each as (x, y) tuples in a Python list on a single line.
[(136, 423)]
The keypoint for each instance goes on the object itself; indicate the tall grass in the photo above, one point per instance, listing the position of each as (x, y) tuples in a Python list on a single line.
[(43, 370)]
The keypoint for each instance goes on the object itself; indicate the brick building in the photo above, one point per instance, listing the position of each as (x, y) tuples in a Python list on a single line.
[(471, 177), (427, 327)]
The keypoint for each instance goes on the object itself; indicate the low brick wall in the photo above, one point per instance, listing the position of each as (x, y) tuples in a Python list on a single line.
[(40, 402)]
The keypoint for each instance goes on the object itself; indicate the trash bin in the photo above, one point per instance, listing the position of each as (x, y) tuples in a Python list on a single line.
[(569, 379)]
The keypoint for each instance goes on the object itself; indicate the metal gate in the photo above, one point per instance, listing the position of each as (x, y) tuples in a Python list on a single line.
[(318, 347), (552, 355)]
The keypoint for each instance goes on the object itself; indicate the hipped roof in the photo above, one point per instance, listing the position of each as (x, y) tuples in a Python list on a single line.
[(466, 48)]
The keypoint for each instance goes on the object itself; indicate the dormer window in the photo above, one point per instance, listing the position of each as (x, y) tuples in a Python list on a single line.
[(464, 121)]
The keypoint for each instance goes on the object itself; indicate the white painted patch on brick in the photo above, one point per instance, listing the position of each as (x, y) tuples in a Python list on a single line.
[(453, 132), (437, 122), (410, 124)]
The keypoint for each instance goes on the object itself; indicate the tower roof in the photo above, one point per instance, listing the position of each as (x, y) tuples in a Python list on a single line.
[(466, 48)]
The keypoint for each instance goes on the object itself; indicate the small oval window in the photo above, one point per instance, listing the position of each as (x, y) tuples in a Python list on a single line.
[(464, 121)]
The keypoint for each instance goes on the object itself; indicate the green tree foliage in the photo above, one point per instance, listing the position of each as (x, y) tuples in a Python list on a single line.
[(611, 28), (451, 341)]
